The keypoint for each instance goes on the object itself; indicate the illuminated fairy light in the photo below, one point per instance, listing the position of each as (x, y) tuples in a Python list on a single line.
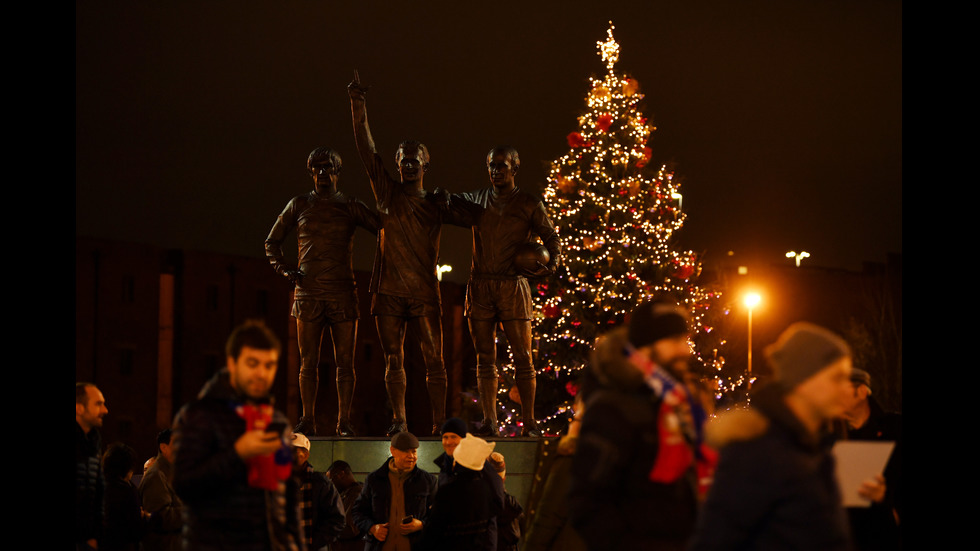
[(615, 213)]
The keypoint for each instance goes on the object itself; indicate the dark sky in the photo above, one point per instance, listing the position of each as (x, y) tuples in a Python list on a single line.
[(784, 117)]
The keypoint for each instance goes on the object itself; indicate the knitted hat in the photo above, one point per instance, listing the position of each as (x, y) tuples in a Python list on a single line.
[(802, 350), (861, 376), (301, 441), (454, 425), (655, 320), (472, 452), (404, 441)]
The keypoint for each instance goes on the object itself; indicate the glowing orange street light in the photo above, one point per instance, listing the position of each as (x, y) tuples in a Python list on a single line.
[(751, 300)]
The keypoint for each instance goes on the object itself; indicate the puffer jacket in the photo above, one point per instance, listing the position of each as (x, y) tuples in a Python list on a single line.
[(222, 510)]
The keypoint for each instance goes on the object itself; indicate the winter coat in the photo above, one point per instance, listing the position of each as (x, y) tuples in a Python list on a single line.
[(374, 504), (165, 508), (350, 537), (222, 510), (465, 510), (550, 528), (89, 485), (614, 502), (775, 486), (124, 525), (509, 524), (323, 510), (875, 527), (447, 473)]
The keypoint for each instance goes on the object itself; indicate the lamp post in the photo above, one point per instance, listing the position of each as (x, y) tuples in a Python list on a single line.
[(799, 256), (751, 300)]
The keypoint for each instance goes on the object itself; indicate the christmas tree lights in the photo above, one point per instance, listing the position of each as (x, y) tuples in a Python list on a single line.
[(616, 221)]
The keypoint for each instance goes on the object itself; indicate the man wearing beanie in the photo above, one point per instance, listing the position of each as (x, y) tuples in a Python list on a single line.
[(775, 486), (466, 507), (393, 506), (634, 473)]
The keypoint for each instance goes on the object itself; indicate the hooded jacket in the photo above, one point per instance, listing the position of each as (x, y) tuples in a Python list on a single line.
[(774, 487), (614, 502)]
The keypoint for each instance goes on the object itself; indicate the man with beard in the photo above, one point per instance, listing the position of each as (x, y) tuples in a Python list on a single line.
[(634, 473), (233, 464)]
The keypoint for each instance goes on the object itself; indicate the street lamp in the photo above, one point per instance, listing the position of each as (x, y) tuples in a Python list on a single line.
[(751, 300), (799, 256)]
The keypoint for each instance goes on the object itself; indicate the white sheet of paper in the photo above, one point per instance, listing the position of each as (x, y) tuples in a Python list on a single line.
[(857, 461)]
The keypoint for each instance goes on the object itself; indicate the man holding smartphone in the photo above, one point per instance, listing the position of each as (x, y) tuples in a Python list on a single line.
[(232, 468), (395, 501)]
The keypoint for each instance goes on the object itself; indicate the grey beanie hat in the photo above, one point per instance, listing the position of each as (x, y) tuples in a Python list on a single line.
[(802, 350)]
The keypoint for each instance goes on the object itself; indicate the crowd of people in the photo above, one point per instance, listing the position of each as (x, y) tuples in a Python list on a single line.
[(639, 467)]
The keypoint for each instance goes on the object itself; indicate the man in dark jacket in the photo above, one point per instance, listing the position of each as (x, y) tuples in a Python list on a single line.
[(453, 431), (877, 525), (634, 482), (89, 483), (775, 486), (161, 501), (342, 477), (468, 501), (233, 468), (394, 503), (323, 512)]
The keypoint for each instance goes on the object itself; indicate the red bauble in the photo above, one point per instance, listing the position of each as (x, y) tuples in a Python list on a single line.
[(604, 122), (647, 154), (575, 140), (684, 271)]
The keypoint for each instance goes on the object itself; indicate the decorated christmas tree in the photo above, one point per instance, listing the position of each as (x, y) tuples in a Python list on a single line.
[(616, 216)]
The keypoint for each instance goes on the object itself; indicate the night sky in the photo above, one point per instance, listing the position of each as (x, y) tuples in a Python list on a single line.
[(193, 120)]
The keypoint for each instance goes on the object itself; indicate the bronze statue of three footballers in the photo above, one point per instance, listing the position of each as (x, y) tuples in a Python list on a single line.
[(404, 286)]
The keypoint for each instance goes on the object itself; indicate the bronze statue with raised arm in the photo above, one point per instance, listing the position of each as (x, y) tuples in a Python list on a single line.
[(498, 292), (404, 283), (325, 297)]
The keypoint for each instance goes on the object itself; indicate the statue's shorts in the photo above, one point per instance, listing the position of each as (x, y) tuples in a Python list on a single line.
[(344, 308), (403, 307), (498, 299)]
